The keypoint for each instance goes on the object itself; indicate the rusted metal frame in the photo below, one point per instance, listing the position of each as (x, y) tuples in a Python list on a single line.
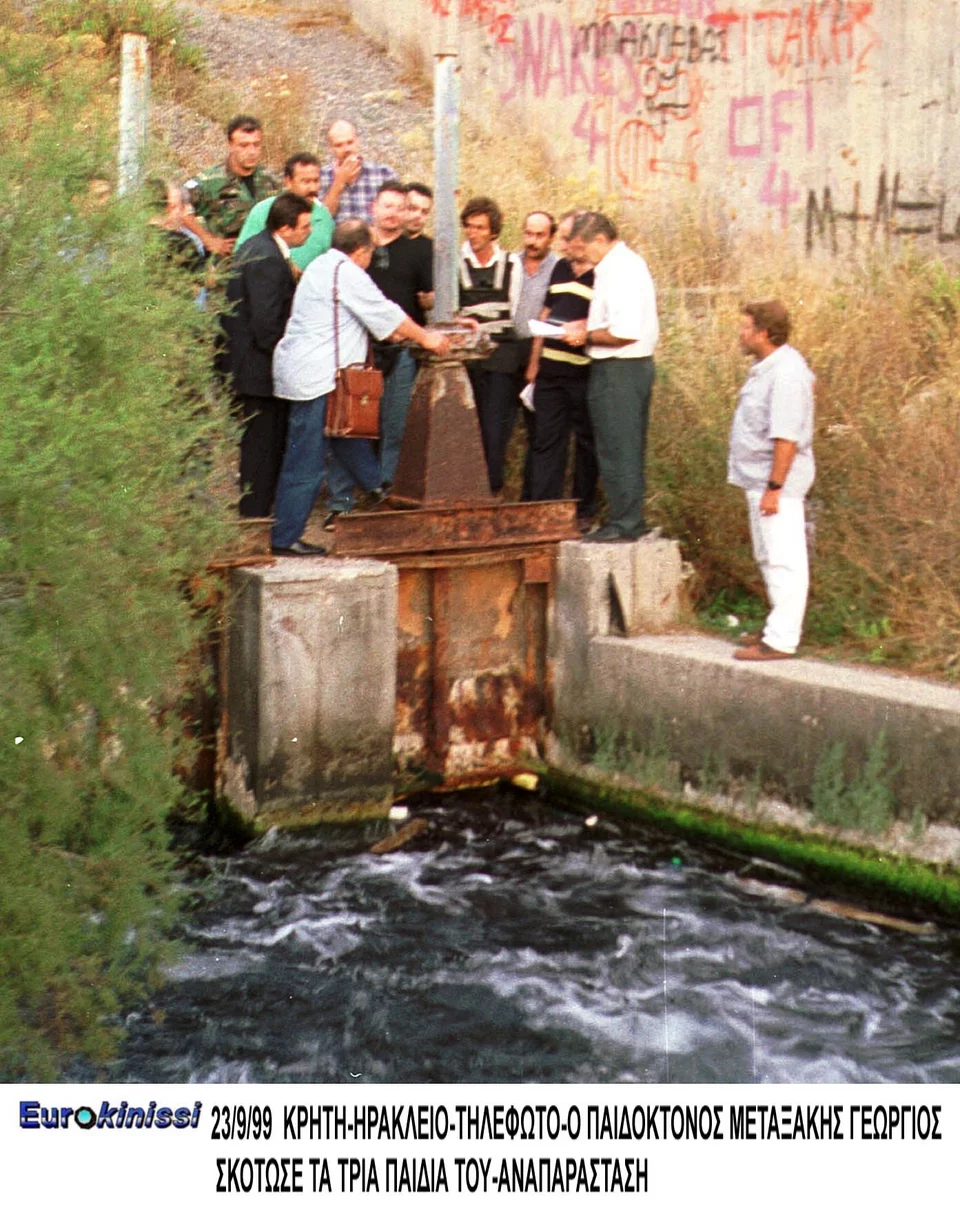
[(467, 527), (467, 558), (440, 713)]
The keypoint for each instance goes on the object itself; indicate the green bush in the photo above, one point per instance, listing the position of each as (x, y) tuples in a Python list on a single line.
[(107, 436), (160, 20)]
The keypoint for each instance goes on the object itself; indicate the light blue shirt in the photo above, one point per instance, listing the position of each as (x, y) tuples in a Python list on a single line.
[(304, 363), (775, 403)]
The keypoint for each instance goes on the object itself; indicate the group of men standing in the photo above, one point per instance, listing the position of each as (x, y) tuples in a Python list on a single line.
[(573, 335), (272, 237), (589, 367)]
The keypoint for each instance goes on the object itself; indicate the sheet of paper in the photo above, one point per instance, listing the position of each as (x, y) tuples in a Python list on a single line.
[(546, 329)]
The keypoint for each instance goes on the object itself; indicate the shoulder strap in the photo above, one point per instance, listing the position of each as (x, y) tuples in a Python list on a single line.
[(336, 320), (336, 325)]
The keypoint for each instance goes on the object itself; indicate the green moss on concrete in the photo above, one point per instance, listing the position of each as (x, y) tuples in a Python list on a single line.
[(900, 880)]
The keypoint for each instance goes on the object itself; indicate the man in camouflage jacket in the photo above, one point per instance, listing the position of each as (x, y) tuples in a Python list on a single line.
[(223, 195)]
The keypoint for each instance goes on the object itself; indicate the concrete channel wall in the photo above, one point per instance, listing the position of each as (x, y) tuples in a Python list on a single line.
[(686, 699), (315, 722), (833, 119)]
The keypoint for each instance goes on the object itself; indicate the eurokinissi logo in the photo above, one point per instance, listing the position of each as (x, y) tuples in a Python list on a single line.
[(123, 1116)]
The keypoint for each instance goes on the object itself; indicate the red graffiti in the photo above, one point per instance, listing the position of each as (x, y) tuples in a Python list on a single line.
[(831, 32), (496, 16)]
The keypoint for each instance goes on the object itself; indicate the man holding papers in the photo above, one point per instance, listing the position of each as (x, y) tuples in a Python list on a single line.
[(558, 374)]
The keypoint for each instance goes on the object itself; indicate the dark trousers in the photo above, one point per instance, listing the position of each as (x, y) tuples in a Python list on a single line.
[(619, 401), (497, 395), (261, 451), (560, 404)]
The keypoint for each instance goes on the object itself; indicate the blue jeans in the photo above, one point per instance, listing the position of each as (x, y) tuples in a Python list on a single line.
[(304, 461), (397, 392)]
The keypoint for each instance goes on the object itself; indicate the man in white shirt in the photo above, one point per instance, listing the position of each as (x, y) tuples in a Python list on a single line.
[(620, 334), (771, 458), (305, 371)]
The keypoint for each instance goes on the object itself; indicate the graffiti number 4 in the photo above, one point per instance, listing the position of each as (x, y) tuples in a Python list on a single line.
[(778, 196), (586, 128)]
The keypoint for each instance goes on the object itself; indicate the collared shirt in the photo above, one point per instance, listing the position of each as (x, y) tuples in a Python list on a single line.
[(282, 246), (495, 314), (357, 200), (775, 403), (223, 199), (625, 303), (533, 292), (304, 362), (321, 231), (569, 297)]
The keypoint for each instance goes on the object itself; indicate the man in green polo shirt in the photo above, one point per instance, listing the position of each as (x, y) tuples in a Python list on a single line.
[(223, 195), (301, 176)]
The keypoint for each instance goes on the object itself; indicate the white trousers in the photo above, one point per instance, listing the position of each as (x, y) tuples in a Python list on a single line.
[(780, 547)]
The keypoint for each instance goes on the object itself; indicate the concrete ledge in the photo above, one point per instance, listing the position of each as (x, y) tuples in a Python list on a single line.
[(776, 718), (311, 687)]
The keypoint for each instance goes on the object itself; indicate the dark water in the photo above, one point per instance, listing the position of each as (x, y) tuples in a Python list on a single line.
[(510, 942)]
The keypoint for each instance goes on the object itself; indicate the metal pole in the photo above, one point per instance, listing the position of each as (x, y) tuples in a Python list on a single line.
[(134, 111), (446, 153)]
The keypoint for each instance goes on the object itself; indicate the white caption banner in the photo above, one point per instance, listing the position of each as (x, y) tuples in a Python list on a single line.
[(562, 1150)]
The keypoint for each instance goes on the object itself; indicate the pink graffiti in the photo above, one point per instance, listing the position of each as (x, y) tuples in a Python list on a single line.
[(754, 126)]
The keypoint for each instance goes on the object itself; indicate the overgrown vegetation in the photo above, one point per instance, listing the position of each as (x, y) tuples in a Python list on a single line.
[(160, 20), (866, 802), (882, 334), (107, 438), (918, 885)]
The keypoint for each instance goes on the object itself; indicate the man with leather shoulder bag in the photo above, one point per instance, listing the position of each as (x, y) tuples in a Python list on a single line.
[(305, 365)]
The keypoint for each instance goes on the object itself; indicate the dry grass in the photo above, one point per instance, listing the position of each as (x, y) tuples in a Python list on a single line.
[(283, 107), (299, 17), (884, 341)]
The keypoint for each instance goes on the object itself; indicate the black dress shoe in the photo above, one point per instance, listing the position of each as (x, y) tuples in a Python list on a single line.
[(609, 533), (300, 549)]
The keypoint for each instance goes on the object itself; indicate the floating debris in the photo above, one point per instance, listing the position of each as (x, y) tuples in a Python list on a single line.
[(839, 910), (591, 821), (775, 892), (526, 782), (399, 812), (401, 837)]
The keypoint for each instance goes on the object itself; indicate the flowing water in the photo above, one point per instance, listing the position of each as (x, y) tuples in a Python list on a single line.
[(512, 941)]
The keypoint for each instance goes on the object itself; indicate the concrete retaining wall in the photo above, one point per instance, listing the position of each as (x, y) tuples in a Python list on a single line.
[(685, 696), (836, 116), (312, 659)]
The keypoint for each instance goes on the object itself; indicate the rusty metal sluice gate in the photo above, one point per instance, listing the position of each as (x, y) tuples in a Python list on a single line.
[(308, 716), (474, 585)]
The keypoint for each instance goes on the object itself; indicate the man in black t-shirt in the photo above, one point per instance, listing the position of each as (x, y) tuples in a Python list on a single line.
[(402, 268), (561, 374)]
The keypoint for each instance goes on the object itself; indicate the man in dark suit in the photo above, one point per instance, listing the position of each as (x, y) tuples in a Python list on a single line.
[(260, 293)]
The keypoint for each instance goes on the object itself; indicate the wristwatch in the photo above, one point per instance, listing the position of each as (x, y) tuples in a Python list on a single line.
[(774, 486)]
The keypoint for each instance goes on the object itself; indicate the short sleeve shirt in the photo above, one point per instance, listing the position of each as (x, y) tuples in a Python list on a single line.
[(568, 299), (402, 268), (304, 361), (775, 403)]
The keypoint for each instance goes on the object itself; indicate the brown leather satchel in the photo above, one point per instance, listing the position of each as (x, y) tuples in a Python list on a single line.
[(353, 405)]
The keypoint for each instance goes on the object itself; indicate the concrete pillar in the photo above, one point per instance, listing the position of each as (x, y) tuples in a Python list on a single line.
[(311, 689), (619, 589)]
